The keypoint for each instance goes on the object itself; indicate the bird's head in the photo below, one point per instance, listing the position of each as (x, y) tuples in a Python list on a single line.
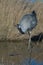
[(17, 26)]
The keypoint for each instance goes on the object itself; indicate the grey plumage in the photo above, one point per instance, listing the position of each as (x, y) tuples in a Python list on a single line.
[(27, 23)]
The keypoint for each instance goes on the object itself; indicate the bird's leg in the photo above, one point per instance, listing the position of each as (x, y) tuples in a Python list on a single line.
[(29, 44), (29, 47)]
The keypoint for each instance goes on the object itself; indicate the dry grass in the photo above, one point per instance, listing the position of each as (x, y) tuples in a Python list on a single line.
[(11, 12)]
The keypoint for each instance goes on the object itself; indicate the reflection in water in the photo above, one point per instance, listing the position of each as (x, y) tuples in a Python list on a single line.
[(16, 50)]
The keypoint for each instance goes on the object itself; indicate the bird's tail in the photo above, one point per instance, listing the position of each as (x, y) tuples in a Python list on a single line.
[(34, 13)]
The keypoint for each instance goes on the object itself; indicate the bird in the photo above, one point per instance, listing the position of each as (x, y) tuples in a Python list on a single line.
[(27, 23)]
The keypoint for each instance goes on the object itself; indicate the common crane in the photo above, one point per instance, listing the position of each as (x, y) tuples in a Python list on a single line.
[(27, 24)]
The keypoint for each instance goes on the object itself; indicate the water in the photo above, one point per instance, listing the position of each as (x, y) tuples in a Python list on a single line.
[(16, 51), (33, 62)]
